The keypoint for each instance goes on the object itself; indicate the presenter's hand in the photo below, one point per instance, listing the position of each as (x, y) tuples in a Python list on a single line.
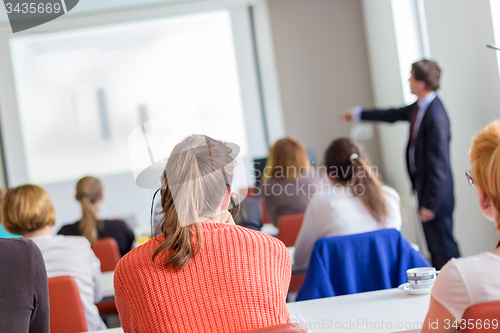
[(347, 115), (426, 215)]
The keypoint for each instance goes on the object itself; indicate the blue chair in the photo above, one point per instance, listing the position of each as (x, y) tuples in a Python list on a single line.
[(351, 264)]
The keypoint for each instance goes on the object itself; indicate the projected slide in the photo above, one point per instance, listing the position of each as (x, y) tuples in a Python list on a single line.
[(82, 92)]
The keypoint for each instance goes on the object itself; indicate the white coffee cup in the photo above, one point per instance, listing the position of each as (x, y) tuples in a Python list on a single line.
[(422, 277)]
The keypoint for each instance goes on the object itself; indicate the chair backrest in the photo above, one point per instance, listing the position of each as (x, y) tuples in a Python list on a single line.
[(351, 264), (108, 252), (289, 227), (482, 313), (284, 328), (265, 214), (66, 308)]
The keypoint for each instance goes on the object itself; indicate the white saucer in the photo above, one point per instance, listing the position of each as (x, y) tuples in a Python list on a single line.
[(409, 290)]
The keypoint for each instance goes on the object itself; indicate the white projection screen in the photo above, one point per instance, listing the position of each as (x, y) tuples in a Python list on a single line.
[(81, 92)]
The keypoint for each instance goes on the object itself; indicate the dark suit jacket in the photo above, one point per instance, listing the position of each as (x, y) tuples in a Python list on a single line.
[(432, 180)]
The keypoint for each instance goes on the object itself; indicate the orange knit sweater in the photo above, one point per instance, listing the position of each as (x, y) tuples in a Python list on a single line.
[(238, 282)]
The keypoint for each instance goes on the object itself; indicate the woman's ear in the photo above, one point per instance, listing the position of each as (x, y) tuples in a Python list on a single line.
[(485, 203), (225, 200), (484, 199)]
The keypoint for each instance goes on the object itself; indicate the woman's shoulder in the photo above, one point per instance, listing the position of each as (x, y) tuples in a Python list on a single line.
[(470, 267), (69, 229), (245, 238), (17, 247), (116, 225), (485, 260), (390, 193), (72, 241)]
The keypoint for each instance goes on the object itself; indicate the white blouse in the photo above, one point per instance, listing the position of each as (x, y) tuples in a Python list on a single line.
[(73, 256), (467, 281), (336, 212)]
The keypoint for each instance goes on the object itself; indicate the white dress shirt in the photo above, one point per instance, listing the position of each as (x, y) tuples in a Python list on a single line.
[(73, 256), (335, 213)]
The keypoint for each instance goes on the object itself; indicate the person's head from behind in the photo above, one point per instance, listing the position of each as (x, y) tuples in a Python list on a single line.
[(287, 159), (425, 75), (197, 187), (346, 165), (89, 194), (26, 209), (485, 160)]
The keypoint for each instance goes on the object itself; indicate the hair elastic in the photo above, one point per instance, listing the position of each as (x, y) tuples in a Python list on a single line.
[(353, 157)]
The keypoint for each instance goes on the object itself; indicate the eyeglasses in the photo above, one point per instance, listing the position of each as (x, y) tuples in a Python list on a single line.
[(468, 174)]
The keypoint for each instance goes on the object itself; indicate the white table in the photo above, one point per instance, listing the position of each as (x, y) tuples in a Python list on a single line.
[(107, 284), (291, 252), (388, 310)]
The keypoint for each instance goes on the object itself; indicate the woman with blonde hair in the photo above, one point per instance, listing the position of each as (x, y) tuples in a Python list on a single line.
[(472, 280), (90, 225), (289, 181), (356, 202), (27, 211), (203, 273)]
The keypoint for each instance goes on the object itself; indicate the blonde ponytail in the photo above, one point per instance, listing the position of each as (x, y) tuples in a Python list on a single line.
[(88, 192), (194, 187), (88, 222)]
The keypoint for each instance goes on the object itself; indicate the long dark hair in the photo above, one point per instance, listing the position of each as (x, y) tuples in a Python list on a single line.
[(345, 163), (197, 176)]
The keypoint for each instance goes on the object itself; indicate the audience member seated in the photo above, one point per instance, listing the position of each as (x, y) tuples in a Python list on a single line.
[(91, 226), (203, 273), (24, 304), (356, 203), (27, 211), (472, 280), (289, 181), (248, 214)]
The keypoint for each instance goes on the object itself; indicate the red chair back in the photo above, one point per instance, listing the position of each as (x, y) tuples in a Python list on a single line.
[(265, 214), (66, 308), (289, 227), (481, 313), (108, 252), (296, 282), (284, 328)]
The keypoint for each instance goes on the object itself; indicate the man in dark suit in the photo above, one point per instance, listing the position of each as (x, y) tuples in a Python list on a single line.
[(427, 157)]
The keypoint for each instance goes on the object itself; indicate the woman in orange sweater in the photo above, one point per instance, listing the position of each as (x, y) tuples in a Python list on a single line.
[(203, 273)]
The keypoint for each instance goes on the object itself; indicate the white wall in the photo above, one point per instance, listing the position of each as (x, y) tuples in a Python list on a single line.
[(323, 68)]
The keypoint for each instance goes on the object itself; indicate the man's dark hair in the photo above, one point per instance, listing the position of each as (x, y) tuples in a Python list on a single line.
[(427, 71)]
